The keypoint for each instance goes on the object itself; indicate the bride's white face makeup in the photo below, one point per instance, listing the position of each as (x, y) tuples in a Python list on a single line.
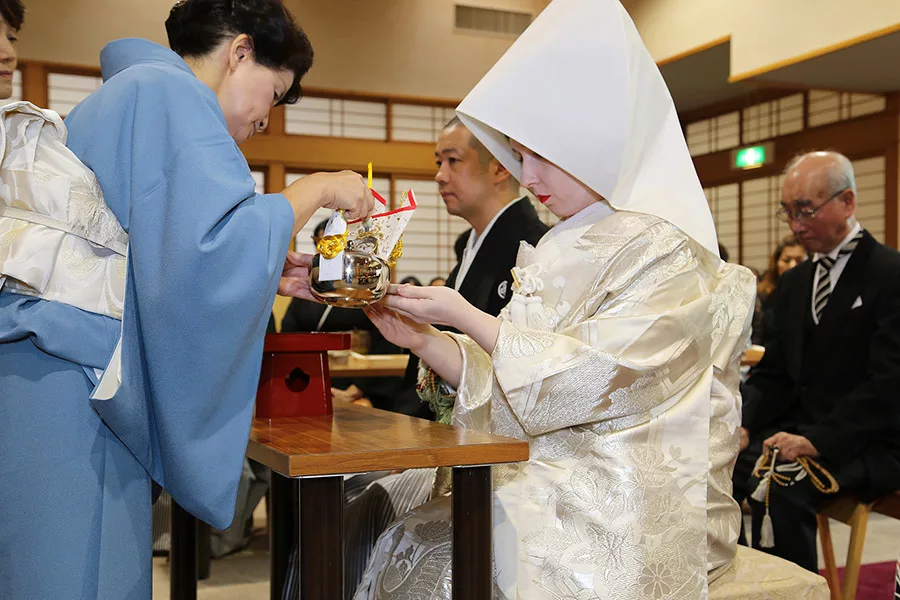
[(557, 190)]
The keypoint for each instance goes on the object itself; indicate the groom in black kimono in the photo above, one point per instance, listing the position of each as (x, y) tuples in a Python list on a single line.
[(476, 187)]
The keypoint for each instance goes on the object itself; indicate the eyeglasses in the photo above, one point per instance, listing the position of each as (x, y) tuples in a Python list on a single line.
[(806, 213)]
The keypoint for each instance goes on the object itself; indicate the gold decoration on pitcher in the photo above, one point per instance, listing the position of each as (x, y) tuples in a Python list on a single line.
[(396, 253), (332, 245)]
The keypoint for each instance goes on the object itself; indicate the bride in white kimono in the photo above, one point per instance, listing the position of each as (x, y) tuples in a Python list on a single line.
[(618, 355)]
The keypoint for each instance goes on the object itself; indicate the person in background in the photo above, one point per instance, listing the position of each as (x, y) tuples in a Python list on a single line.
[(826, 387), (897, 581), (438, 281), (411, 280), (788, 254)]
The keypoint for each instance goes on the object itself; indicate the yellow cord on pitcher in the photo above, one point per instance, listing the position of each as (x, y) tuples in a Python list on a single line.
[(396, 253), (332, 245)]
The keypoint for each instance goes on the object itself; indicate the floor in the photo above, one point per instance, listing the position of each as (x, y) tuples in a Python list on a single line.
[(245, 575), (240, 576)]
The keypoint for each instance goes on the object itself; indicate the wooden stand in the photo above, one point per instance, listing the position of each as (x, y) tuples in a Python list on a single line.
[(294, 380)]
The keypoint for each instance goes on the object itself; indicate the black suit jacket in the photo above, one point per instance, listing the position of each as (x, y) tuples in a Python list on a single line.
[(487, 285), (838, 383)]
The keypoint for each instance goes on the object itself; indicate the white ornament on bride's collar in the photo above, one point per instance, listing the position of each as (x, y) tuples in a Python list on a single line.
[(528, 279)]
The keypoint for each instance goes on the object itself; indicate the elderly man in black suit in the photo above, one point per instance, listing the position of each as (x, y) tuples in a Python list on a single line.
[(828, 387)]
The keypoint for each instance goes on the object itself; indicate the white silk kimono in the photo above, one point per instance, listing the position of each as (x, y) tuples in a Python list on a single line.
[(618, 361)]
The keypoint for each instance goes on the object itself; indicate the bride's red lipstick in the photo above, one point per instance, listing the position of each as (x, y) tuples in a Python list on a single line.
[(543, 199)]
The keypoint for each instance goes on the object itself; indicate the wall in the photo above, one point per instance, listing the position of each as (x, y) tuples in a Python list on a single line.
[(406, 47), (672, 27), (770, 31)]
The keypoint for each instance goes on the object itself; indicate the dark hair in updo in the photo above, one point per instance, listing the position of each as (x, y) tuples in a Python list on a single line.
[(13, 12), (196, 27)]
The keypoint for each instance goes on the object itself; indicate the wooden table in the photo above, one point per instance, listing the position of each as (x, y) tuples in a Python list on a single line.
[(309, 456)]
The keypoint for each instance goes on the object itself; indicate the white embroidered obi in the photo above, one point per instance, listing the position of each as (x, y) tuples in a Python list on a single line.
[(58, 239)]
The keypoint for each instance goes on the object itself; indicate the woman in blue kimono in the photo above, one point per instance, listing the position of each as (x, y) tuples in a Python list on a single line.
[(99, 395)]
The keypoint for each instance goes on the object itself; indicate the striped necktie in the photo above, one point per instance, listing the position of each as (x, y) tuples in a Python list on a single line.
[(823, 268)]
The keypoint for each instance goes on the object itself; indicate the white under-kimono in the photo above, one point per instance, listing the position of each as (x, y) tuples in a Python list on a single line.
[(617, 360)]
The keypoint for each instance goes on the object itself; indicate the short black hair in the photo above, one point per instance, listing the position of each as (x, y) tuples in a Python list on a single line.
[(320, 228), (196, 27), (484, 155), (13, 12)]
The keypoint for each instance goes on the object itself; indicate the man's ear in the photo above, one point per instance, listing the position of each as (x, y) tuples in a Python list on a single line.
[(499, 174), (850, 201)]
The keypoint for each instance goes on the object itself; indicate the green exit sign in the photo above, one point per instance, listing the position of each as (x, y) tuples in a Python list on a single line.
[(752, 157)]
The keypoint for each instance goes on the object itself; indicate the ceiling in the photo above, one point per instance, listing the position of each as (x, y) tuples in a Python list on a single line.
[(865, 66), (701, 79), (704, 78)]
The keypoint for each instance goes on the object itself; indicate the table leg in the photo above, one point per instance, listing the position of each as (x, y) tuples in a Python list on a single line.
[(322, 538), (283, 536), (183, 555), (472, 534), (203, 551)]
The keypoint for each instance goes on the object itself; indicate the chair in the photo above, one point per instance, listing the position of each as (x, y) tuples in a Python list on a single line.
[(854, 513), (755, 575)]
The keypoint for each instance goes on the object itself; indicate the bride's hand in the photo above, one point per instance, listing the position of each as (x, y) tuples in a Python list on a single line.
[(438, 305), (399, 329)]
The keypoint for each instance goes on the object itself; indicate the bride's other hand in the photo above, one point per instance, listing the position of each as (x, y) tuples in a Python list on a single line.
[(436, 305), (399, 329)]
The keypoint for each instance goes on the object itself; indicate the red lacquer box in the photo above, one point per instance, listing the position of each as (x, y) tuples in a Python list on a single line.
[(294, 381)]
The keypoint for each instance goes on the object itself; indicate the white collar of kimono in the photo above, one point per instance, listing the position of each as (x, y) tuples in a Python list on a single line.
[(558, 242), (600, 110), (590, 214)]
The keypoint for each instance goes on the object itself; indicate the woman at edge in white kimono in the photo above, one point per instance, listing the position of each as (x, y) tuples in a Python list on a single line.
[(617, 357)]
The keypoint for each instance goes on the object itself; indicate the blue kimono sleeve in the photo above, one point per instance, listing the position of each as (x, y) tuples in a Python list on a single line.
[(205, 257)]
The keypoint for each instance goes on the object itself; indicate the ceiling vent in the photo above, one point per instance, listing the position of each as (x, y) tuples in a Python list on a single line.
[(489, 20)]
